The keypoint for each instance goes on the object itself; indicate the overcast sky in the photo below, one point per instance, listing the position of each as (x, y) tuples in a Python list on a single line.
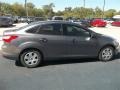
[(61, 4)]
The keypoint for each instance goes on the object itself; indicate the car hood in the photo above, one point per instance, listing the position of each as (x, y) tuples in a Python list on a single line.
[(105, 37)]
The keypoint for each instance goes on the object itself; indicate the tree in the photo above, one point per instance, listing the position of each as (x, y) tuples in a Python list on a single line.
[(110, 13), (48, 10), (30, 5), (117, 13), (5, 8), (98, 12), (38, 12), (69, 9), (18, 9), (59, 13), (68, 12)]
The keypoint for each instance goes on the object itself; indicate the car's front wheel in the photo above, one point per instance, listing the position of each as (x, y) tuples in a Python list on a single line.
[(106, 54), (30, 58)]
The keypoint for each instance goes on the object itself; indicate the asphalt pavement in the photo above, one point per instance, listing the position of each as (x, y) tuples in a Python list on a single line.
[(81, 74)]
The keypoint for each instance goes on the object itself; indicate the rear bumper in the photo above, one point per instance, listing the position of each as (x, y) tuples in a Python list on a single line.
[(10, 53), (10, 56)]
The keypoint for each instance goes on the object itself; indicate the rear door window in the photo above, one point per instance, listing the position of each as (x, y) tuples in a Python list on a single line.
[(50, 29)]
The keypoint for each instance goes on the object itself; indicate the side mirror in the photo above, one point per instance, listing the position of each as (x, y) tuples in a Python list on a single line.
[(93, 35)]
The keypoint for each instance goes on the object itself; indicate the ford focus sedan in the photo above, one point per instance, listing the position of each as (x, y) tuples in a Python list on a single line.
[(40, 41)]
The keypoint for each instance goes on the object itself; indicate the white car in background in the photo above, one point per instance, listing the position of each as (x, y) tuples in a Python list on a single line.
[(57, 18)]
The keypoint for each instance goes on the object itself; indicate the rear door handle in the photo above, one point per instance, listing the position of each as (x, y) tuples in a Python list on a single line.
[(43, 40)]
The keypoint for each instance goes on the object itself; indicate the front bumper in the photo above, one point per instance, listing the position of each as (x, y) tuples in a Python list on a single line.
[(117, 50)]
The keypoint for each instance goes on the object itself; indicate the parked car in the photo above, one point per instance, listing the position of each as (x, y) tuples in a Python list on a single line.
[(6, 21), (23, 19), (116, 23), (39, 41), (84, 23), (57, 18), (98, 23), (108, 20), (16, 19), (35, 19), (30, 19), (8, 15)]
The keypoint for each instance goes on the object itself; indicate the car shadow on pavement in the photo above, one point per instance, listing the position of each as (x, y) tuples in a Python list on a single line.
[(69, 61), (62, 62), (117, 56), (73, 61)]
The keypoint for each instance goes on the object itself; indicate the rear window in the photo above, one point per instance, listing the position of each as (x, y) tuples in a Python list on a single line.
[(33, 29), (30, 28)]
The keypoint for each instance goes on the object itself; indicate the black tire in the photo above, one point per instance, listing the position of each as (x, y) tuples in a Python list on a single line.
[(101, 54), (24, 61)]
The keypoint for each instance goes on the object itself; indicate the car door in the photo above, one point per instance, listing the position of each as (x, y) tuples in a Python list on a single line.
[(79, 41), (51, 38)]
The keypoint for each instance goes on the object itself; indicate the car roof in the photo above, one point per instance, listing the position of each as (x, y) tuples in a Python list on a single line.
[(53, 21), (56, 21)]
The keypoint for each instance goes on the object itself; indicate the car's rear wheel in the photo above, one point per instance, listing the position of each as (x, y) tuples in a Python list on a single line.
[(106, 54), (30, 58)]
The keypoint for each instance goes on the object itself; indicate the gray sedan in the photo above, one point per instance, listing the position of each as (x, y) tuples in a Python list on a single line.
[(39, 41)]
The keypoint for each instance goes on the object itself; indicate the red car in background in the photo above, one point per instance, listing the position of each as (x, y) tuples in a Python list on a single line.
[(116, 23), (98, 23)]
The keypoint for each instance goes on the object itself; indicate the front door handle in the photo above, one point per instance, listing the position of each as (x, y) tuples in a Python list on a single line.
[(43, 40)]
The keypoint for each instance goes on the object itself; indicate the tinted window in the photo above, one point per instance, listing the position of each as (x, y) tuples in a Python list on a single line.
[(33, 29), (73, 30), (58, 18), (50, 29), (39, 19)]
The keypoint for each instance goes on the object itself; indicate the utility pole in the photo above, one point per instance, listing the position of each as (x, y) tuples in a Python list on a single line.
[(84, 3), (26, 9), (103, 8)]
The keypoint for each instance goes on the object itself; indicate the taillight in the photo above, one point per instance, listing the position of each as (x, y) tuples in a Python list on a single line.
[(9, 38)]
